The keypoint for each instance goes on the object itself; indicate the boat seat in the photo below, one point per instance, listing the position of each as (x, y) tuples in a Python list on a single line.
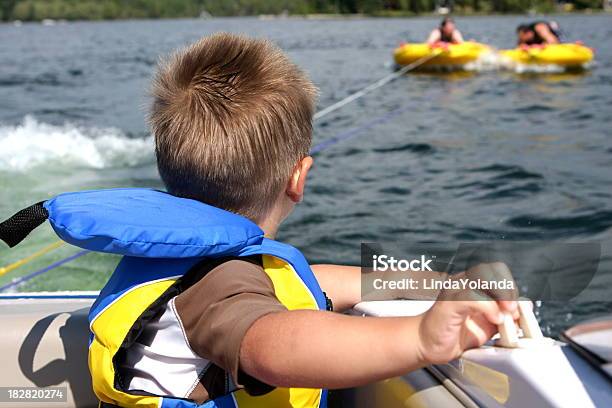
[(44, 344)]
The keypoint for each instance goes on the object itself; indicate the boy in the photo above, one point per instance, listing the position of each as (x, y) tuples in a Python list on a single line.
[(232, 120)]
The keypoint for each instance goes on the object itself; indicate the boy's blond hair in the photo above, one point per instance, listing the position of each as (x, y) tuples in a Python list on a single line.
[(231, 118)]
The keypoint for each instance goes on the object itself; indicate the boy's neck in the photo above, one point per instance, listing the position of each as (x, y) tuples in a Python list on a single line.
[(269, 227), (270, 223), (275, 216)]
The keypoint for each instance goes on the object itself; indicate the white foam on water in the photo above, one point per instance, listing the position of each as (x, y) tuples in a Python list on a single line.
[(488, 61), (494, 61), (32, 143), (538, 69)]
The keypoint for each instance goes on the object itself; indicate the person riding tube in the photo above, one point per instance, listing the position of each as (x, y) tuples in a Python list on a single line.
[(447, 32), (538, 33)]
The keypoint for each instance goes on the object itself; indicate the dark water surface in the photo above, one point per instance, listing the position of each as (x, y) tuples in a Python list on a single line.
[(464, 157)]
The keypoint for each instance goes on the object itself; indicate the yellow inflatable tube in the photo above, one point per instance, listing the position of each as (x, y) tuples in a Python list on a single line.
[(448, 54), (566, 55)]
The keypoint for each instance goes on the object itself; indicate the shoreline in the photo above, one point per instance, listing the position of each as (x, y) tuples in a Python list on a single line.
[(322, 16)]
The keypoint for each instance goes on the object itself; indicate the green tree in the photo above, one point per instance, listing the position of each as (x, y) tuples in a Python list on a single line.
[(6, 8), (113, 9)]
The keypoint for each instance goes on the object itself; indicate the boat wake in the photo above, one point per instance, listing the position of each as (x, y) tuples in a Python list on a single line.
[(547, 68), (32, 143), (488, 61), (493, 61)]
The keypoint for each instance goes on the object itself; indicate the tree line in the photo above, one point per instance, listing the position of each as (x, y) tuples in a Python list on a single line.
[(36, 10)]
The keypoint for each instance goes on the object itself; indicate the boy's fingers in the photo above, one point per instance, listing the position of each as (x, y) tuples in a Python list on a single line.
[(509, 306), (480, 304), (469, 302), (481, 330), (490, 310)]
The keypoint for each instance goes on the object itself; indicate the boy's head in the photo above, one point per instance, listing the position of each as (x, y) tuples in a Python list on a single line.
[(232, 120)]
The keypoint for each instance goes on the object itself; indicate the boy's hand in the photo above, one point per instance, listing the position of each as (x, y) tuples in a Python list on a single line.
[(464, 319), (452, 326)]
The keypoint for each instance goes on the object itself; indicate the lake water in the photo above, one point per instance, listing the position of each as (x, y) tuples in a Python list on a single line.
[(462, 157)]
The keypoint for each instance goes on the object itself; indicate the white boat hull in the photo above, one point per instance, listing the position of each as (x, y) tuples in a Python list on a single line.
[(44, 344), (45, 340), (541, 374)]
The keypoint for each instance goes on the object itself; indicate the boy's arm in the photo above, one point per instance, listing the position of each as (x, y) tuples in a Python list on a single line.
[(342, 284), (316, 349)]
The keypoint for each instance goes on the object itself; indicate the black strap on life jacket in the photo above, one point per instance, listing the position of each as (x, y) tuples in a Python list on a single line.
[(16, 228)]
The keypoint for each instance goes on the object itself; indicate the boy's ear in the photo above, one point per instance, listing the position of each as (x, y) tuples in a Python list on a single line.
[(297, 182)]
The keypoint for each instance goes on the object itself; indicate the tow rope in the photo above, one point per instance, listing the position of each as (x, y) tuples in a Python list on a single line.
[(375, 85)]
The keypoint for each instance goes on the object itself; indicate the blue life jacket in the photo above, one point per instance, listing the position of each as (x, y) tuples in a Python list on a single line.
[(162, 237)]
